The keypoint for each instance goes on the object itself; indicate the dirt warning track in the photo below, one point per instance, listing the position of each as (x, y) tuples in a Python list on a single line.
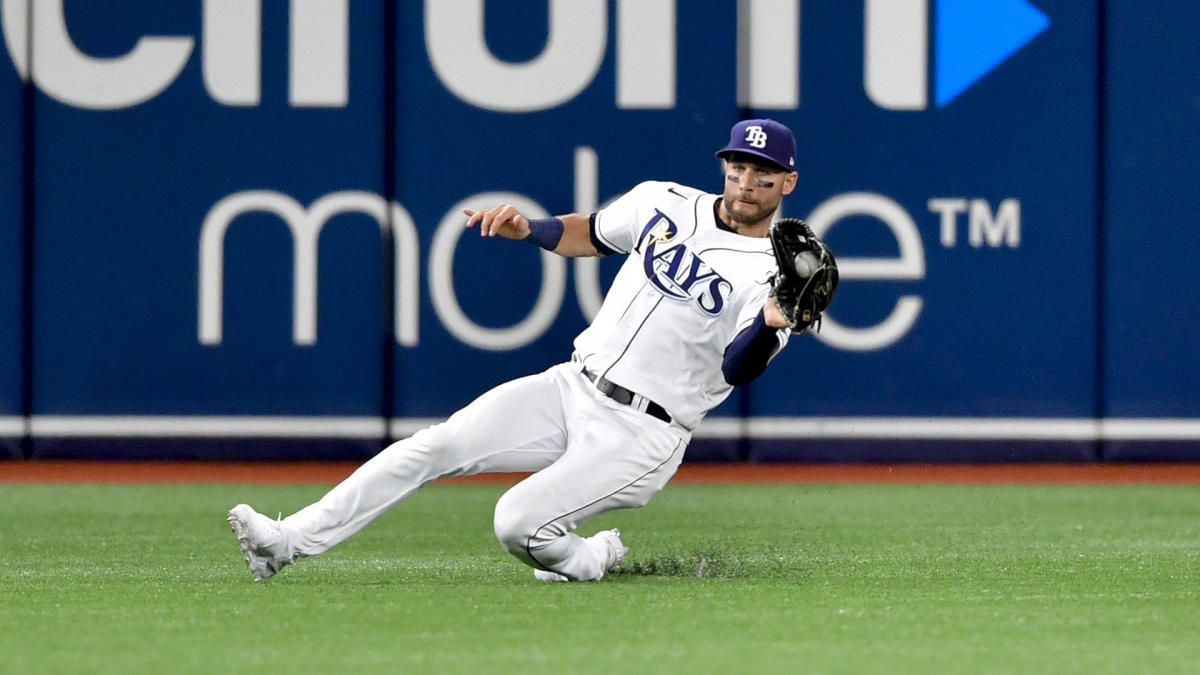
[(331, 472)]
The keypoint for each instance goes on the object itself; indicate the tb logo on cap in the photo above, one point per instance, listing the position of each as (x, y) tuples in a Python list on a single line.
[(756, 137)]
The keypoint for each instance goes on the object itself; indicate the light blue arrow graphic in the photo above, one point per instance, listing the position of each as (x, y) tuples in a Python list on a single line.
[(975, 36)]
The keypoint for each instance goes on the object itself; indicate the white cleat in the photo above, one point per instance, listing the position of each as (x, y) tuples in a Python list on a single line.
[(261, 541), (614, 552), (547, 575)]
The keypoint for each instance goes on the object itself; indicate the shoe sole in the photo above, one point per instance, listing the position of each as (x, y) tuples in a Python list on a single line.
[(256, 563), (548, 576)]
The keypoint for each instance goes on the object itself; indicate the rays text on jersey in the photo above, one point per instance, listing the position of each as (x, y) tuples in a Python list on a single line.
[(678, 273)]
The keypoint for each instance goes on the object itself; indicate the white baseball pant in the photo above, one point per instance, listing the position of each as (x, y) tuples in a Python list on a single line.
[(590, 454)]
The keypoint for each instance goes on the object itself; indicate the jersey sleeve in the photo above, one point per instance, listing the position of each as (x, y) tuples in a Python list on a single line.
[(754, 344), (615, 227)]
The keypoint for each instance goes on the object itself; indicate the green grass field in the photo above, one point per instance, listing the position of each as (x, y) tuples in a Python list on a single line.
[(738, 579)]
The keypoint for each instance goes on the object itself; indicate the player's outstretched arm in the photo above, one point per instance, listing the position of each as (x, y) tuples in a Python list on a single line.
[(752, 349), (567, 235)]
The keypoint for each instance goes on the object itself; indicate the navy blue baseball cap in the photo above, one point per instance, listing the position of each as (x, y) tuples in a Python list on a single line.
[(763, 138)]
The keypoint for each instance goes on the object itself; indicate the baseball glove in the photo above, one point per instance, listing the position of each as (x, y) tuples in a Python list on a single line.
[(808, 274)]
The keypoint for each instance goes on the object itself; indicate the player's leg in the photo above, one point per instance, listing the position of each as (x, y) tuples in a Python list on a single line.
[(518, 426), (616, 458)]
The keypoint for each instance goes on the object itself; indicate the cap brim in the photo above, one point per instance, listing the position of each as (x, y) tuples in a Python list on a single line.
[(753, 153)]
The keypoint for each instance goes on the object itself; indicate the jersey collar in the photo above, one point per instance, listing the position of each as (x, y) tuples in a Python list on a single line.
[(717, 217)]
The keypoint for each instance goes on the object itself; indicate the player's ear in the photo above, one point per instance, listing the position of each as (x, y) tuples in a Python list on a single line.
[(789, 182)]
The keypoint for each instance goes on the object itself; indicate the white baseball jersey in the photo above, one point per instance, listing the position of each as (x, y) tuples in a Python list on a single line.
[(686, 289)]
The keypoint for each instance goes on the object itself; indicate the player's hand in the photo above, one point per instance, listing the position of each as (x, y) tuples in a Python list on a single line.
[(773, 316), (503, 220)]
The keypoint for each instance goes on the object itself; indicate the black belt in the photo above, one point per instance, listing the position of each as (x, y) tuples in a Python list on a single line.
[(624, 396)]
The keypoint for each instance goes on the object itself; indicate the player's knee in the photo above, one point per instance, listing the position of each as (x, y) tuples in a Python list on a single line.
[(509, 523), (517, 528)]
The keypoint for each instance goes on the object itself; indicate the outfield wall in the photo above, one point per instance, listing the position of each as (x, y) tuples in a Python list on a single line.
[(12, 230), (244, 233)]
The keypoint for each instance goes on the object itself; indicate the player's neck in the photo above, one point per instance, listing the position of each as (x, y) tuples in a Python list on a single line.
[(725, 222)]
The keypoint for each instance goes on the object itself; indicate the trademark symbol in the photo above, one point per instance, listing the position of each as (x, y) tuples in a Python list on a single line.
[(995, 228)]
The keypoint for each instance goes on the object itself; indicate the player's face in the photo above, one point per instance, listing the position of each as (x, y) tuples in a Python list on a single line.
[(753, 191)]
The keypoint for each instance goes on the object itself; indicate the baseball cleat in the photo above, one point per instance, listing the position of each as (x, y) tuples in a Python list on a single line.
[(261, 541), (547, 575), (615, 551)]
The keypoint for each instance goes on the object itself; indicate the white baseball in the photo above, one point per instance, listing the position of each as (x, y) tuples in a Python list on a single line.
[(806, 264)]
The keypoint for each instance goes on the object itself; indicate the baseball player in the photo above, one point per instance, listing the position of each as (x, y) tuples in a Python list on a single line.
[(692, 312)]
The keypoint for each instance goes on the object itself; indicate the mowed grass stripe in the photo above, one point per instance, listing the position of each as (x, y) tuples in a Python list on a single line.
[(882, 578)]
